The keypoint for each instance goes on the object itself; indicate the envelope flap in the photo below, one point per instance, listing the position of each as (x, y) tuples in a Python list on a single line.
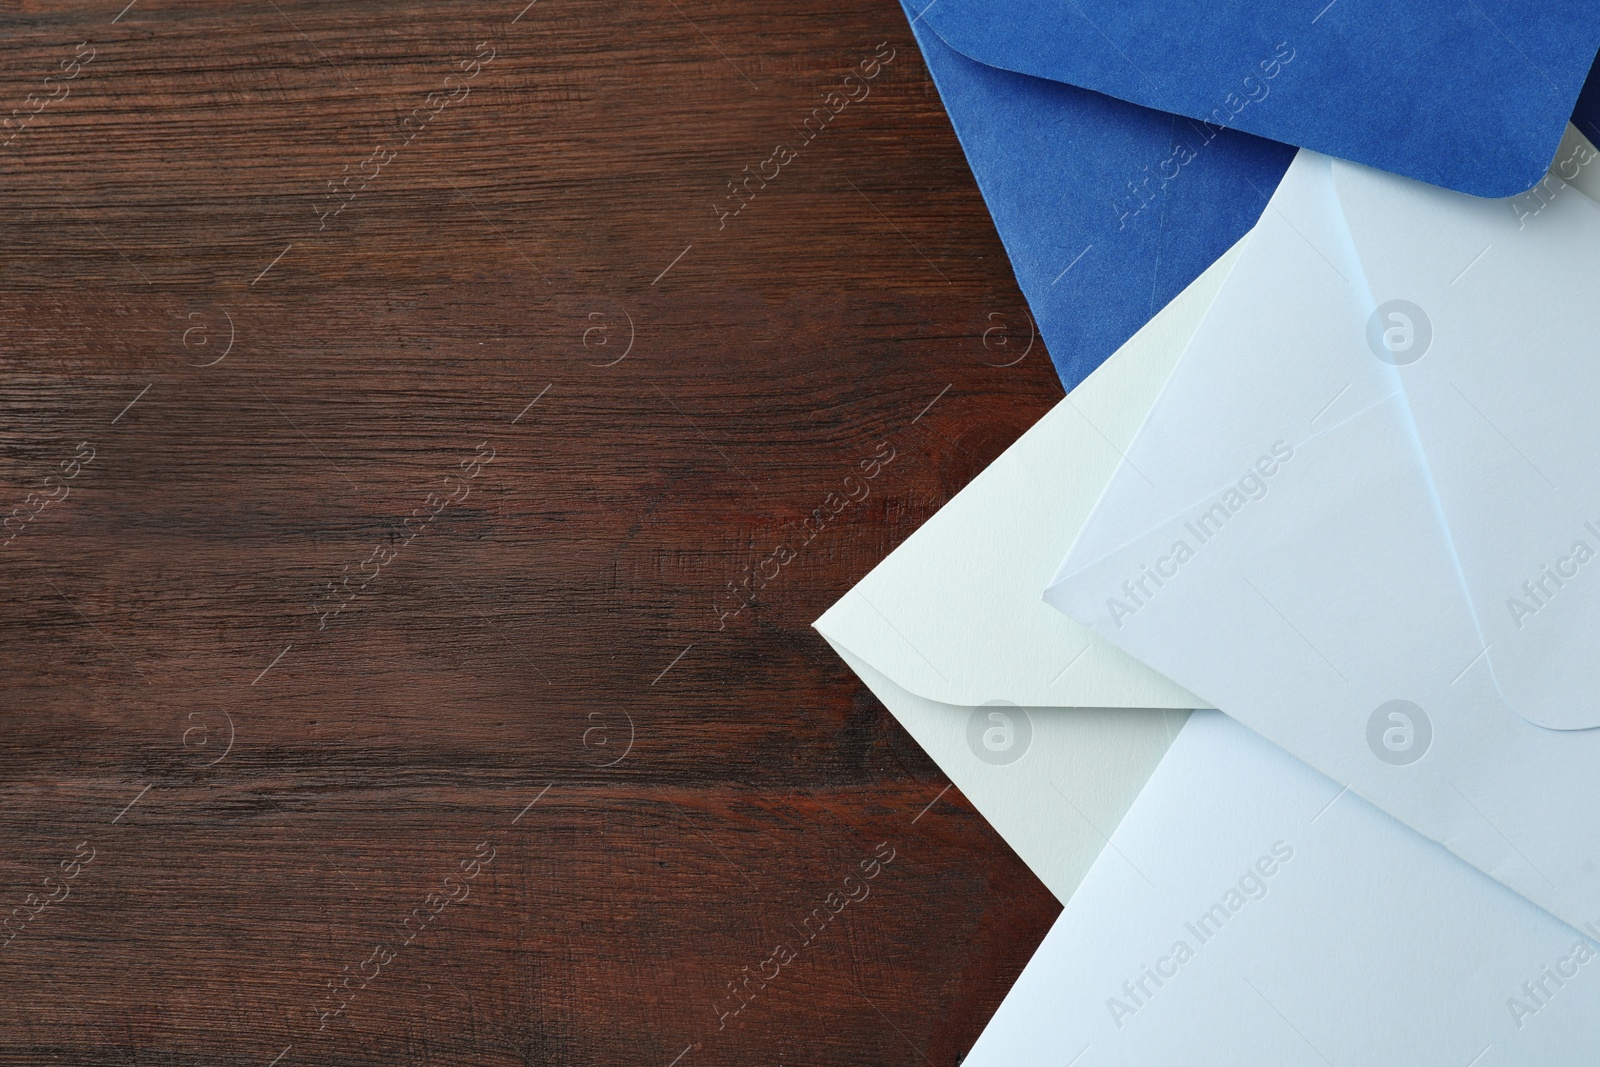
[(1330, 614), (1189, 452), (1095, 253), (954, 614), (1478, 300), (1472, 95)]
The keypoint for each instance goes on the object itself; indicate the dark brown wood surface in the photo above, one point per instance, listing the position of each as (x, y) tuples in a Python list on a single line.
[(395, 406)]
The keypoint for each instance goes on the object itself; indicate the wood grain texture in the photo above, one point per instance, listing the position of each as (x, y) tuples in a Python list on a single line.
[(410, 527)]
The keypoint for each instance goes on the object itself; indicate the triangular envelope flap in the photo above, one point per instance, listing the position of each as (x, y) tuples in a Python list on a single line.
[(1472, 95), (1097, 245), (954, 615), (1333, 623), (1287, 593), (1241, 503), (1246, 390), (1330, 617), (1491, 301)]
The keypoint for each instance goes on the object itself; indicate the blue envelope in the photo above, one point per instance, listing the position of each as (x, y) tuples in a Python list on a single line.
[(1472, 95), (1109, 208)]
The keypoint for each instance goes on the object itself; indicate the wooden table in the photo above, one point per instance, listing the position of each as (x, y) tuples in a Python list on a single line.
[(398, 399)]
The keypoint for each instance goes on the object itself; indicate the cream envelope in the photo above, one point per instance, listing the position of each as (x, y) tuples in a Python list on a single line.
[(1318, 527), (1023, 708)]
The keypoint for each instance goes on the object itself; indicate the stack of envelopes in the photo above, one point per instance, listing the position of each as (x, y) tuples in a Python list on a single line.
[(1319, 279)]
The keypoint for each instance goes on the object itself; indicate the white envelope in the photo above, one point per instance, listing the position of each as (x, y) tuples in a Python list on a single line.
[(1306, 529), (1020, 706), (1248, 911)]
